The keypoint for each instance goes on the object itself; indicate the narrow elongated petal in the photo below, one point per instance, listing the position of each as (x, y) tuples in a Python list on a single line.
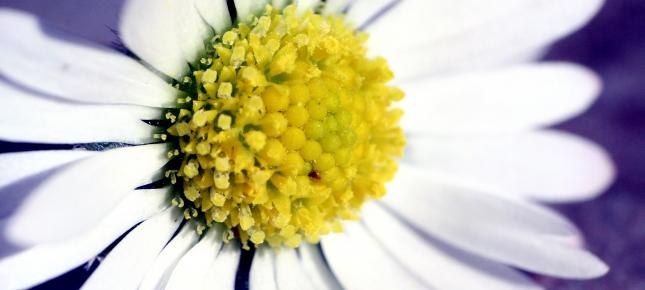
[(46, 261), (125, 266), (279, 4), (262, 275), (75, 199), (333, 7), (192, 269), (222, 272), (167, 34), (29, 118), (304, 5), (427, 258), (467, 34), (22, 171), (215, 13), (550, 166), (512, 99), (317, 269), (361, 12), (159, 273), (289, 272), (74, 69), (509, 231), (360, 263), (19, 165), (248, 8)]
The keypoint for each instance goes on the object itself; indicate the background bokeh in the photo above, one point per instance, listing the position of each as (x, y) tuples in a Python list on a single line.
[(613, 45)]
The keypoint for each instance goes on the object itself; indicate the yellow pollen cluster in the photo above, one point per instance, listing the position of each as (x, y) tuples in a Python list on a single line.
[(287, 129)]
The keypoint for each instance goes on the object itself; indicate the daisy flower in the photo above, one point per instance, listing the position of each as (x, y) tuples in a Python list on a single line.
[(272, 133)]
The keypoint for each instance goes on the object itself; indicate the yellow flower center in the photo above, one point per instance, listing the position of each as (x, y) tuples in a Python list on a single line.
[(286, 129)]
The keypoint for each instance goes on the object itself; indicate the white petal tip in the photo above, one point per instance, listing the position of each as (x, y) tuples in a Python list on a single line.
[(593, 268), (597, 172)]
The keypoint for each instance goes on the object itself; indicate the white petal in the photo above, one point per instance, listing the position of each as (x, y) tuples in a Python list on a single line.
[(81, 72), (19, 165), (159, 273), (74, 199), (333, 7), (426, 257), (29, 118), (550, 166), (248, 8), (317, 269), (262, 275), (360, 263), (289, 272), (193, 267), (215, 13), (505, 100), (304, 5), (126, 264), (167, 34), (223, 271), (465, 34), (514, 232), (362, 12), (280, 4), (20, 171), (46, 261)]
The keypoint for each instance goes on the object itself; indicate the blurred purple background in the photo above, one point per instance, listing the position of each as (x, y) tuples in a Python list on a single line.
[(613, 44)]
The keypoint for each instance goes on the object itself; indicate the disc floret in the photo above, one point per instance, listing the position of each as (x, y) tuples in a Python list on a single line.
[(286, 129)]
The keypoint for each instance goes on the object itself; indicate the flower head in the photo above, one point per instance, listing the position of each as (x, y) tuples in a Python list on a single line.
[(284, 129)]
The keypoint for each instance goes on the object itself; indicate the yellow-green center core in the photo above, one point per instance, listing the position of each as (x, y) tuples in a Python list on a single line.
[(288, 130)]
